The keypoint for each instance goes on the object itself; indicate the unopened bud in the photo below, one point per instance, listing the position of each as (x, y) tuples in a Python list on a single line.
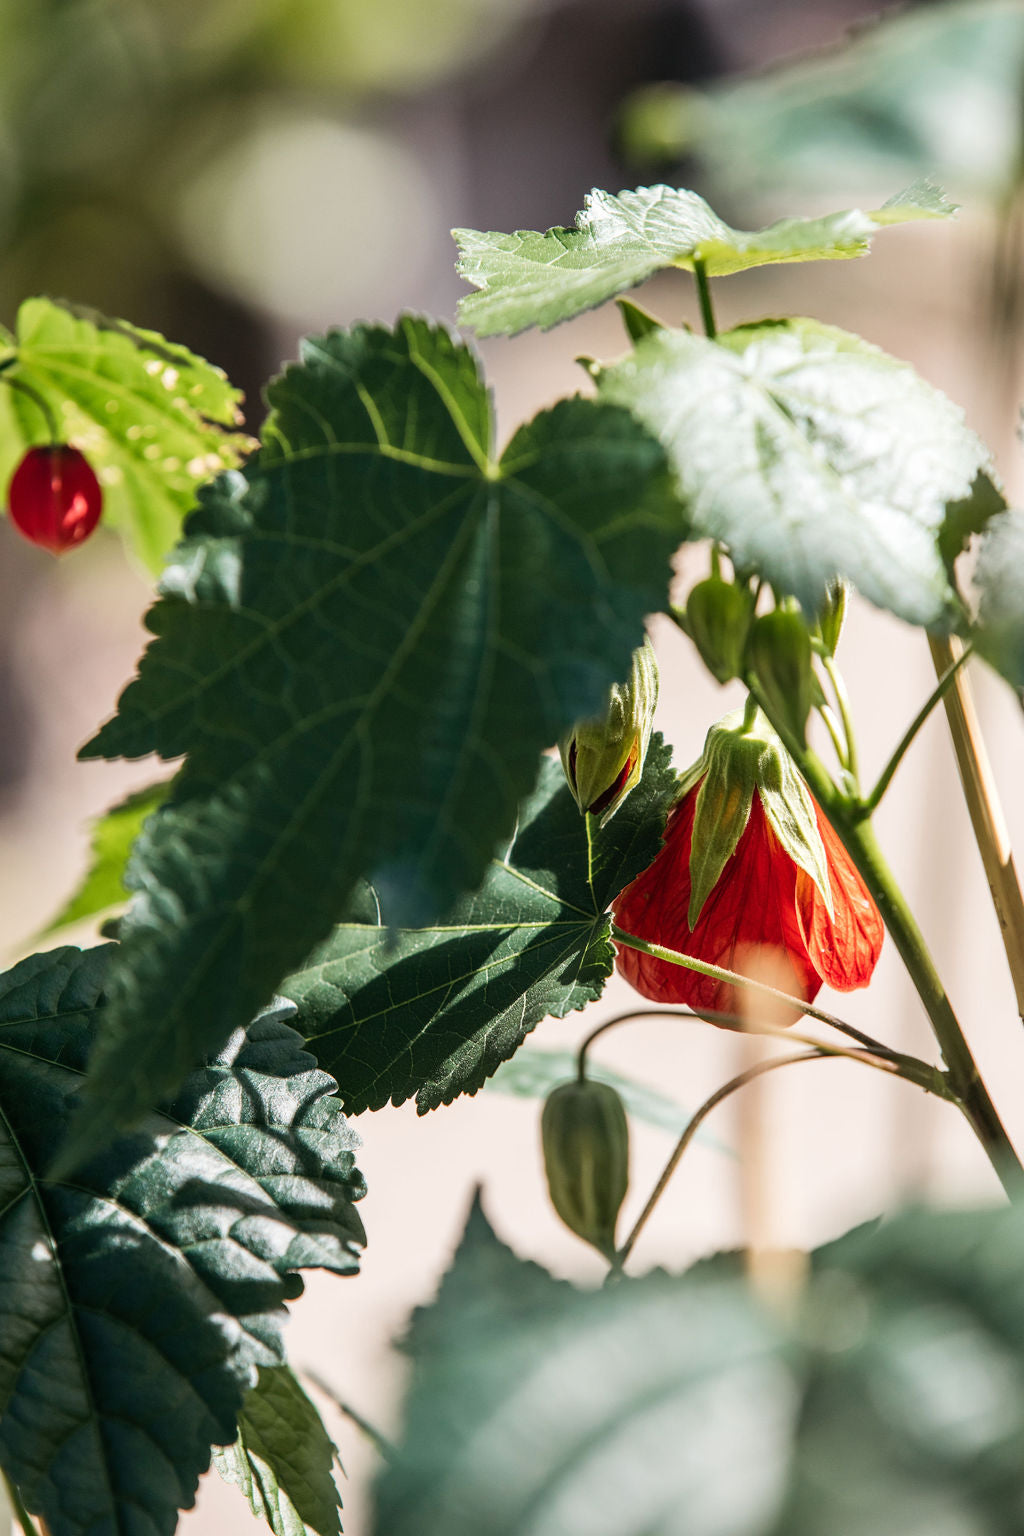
[(832, 615), (585, 1139), (779, 655), (604, 757), (718, 616)]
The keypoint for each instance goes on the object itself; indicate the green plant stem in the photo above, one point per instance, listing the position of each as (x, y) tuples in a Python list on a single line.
[(18, 1509), (937, 693), (919, 1072), (707, 313), (699, 1116), (843, 701), (380, 1442), (986, 813), (859, 839)]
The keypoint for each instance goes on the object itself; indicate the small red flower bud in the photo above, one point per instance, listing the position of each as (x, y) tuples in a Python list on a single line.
[(55, 498)]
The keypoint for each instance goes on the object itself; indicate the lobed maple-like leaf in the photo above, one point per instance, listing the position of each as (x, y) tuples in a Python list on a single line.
[(363, 645), (619, 240)]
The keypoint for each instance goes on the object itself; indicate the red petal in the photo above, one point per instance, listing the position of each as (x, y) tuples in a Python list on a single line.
[(845, 948), (748, 923)]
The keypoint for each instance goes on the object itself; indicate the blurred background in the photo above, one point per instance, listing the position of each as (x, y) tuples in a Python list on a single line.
[(237, 172)]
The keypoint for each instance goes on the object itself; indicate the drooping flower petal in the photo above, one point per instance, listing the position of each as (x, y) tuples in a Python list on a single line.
[(844, 948), (748, 923)]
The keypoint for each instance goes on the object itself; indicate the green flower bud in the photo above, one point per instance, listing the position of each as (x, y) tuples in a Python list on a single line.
[(779, 655), (585, 1138), (718, 616), (832, 615), (604, 757)]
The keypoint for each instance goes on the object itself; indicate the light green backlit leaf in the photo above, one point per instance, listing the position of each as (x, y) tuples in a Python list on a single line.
[(154, 420), (103, 888), (282, 1459), (527, 278)]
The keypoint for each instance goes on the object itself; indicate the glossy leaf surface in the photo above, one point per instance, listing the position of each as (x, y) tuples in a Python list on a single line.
[(431, 1012), (363, 645), (139, 1296), (811, 454)]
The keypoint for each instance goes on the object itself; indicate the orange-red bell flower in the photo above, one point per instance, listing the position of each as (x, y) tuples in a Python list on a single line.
[(764, 917)]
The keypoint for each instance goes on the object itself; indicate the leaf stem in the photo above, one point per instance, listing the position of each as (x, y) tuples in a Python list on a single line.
[(982, 796), (913, 1070), (885, 777), (842, 698), (380, 1442), (18, 1509), (42, 406), (858, 837), (699, 1116), (707, 313)]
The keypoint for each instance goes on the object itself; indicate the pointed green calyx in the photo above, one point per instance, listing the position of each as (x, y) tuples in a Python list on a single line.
[(604, 757), (739, 759), (832, 616), (779, 656), (718, 616)]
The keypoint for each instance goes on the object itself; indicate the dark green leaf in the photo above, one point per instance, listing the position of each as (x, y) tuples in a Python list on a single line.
[(811, 454), (112, 837), (139, 1296), (527, 278), (154, 420), (364, 643), (999, 579), (433, 1011), (653, 1406), (887, 1399), (282, 1459)]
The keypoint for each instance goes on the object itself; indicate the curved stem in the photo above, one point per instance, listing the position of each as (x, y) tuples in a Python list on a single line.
[(885, 777), (38, 401), (707, 313), (982, 796), (700, 1115), (910, 1068)]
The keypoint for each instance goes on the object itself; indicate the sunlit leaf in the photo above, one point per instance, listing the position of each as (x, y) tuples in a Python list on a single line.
[(810, 454), (154, 420), (282, 1459), (432, 1011), (527, 278), (102, 888)]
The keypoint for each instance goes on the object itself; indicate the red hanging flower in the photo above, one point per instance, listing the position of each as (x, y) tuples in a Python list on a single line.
[(760, 910), (55, 498)]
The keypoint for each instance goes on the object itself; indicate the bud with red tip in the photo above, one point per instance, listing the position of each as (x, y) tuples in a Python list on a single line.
[(54, 497), (603, 758)]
